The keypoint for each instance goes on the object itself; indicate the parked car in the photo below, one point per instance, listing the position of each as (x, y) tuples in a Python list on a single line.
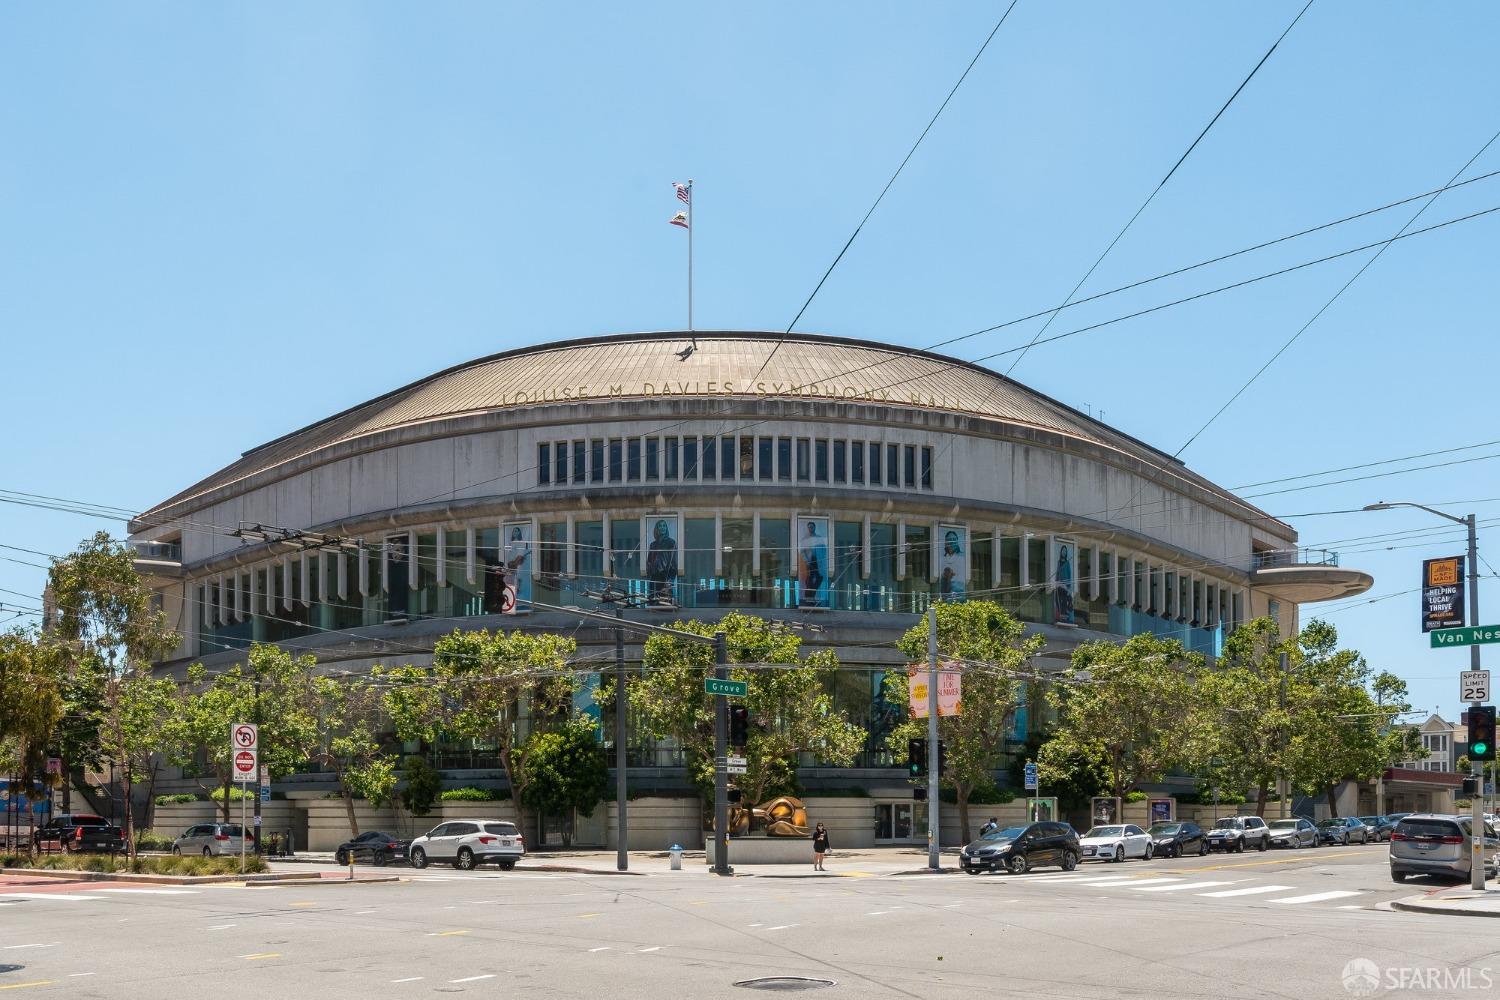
[(1018, 849), (1343, 830), (1293, 833), (1380, 827), (374, 847), (1431, 844), (212, 840), (79, 832), (1173, 840), (1235, 833), (469, 844), (1116, 843)]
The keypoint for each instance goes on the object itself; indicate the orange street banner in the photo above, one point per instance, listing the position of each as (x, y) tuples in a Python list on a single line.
[(950, 689)]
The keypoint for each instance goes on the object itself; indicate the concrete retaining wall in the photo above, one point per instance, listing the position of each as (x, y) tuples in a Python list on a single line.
[(657, 824)]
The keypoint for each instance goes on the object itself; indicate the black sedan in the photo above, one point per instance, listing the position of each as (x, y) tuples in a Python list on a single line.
[(1173, 840), (374, 847)]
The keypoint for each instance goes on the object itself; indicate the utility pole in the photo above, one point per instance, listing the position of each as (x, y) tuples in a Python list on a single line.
[(257, 772), (622, 839), (721, 764), (1281, 785), (934, 827)]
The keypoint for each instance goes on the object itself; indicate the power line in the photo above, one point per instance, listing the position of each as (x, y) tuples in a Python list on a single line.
[(1365, 465), (1157, 190)]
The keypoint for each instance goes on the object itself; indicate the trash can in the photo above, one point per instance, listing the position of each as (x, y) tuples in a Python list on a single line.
[(677, 857)]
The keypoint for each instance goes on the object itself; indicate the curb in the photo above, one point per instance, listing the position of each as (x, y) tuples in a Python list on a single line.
[(303, 882), (1421, 904), (44, 875)]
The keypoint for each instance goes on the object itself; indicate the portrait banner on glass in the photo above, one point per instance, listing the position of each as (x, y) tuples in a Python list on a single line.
[(813, 566), (516, 565), (661, 555), (1060, 576), (953, 561)]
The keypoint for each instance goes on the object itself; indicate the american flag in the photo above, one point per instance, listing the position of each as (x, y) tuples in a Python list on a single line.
[(680, 219), (684, 193)]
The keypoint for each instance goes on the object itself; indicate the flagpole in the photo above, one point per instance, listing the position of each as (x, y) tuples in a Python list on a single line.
[(690, 255)]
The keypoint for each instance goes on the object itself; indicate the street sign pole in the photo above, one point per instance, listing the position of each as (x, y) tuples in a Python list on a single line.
[(934, 830), (721, 751), (622, 837), (1476, 803)]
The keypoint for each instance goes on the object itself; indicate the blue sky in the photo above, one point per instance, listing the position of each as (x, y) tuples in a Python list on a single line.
[(222, 222)]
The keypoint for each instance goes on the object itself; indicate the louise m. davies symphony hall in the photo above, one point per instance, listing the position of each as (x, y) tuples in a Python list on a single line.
[(805, 478)]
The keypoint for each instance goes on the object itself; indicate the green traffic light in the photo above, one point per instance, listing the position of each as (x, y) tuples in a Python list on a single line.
[(1481, 748)]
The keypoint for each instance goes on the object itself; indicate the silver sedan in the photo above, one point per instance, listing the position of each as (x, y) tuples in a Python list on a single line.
[(1293, 833)]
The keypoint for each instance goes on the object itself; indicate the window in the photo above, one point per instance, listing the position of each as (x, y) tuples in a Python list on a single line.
[(893, 465), (689, 458), (763, 458), (857, 462), (625, 548), (544, 463), (560, 471), (710, 460), (652, 468), (633, 460), (726, 458), (596, 460), (589, 539), (840, 448), (804, 469), (784, 459), (874, 463), (579, 449), (820, 460), (502, 829), (669, 458), (926, 468), (616, 460), (910, 466)]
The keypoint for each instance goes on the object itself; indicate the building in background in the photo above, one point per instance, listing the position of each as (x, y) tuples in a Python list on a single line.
[(809, 479)]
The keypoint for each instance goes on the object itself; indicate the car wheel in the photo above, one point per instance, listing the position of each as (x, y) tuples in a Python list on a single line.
[(208, 852), (418, 858), (1345, 841), (1069, 861), (176, 851), (1147, 855), (506, 866), (1398, 876), (1265, 842), (1017, 864), (465, 860), (341, 857), (1202, 849), (1119, 853)]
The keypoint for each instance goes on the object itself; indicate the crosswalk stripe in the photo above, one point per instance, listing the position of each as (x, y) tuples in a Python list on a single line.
[(1251, 891), (59, 896), (1316, 897), (156, 892), (1114, 882), (1179, 888)]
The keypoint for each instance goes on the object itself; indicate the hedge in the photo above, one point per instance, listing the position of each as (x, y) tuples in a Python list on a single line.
[(152, 865), (475, 795)]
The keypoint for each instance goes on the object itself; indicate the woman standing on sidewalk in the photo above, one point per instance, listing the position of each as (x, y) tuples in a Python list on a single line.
[(820, 846)]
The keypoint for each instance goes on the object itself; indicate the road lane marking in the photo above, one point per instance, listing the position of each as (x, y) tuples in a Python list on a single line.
[(79, 975), (34, 982), (13, 947), (445, 933), (781, 927), (1317, 897), (877, 913), (360, 913), (756, 925), (1290, 860), (260, 955), (1253, 890), (602, 948), (656, 947), (1179, 888), (61, 897), (587, 916), (154, 892), (222, 927), (472, 979), (1131, 882), (1352, 906), (408, 979), (304, 902)]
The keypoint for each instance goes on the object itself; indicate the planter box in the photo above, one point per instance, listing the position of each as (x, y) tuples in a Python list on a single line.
[(766, 850)]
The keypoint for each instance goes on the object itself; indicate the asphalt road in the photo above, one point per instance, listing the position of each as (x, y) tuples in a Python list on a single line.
[(1253, 925)]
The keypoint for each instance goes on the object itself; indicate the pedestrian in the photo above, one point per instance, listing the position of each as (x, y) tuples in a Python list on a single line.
[(990, 827), (288, 848), (820, 846)]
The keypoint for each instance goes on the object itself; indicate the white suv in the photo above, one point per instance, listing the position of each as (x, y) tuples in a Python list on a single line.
[(470, 843)]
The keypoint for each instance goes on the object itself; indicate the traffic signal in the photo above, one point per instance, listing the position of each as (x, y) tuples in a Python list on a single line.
[(942, 758), (1470, 787), (1481, 732), (739, 726), (735, 795), (919, 794), (916, 758)]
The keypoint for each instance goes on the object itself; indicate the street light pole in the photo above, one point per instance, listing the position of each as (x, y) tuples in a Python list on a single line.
[(1476, 803), (721, 764), (622, 845)]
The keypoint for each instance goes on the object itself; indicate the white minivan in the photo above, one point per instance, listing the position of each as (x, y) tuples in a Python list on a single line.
[(470, 843)]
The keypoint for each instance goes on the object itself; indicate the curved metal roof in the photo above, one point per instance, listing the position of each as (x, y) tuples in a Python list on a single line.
[(729, 366)]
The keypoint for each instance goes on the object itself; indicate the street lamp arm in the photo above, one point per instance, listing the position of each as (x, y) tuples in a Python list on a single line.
[(1382, 505)]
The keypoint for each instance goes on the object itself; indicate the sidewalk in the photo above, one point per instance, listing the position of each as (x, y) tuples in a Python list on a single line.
[(1461, 902), (864, 863)]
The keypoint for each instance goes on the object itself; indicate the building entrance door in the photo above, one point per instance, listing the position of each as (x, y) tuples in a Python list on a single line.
[(900, 822)]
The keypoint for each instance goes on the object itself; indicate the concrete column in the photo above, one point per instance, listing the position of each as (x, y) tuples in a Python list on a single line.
[(235, 583), (271, 587), (864, 548), (306, 579), (718, 544), (755, 541), (1132, 595), (901, 550), (286, 583), (996, 562), (934, 552), (570, 562), (364, 571), (609, 545), (1094, 557), (341, 564), (385, 565), (442, 556), (1026, 559), (254, 607), (1114, 576), (321, 576), (471, 562)]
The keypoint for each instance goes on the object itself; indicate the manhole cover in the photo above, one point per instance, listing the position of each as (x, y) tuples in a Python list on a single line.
[(785, 984)]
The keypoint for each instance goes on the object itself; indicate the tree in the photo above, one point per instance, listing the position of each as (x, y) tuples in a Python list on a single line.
[(107, 629), (1249, 732), (992, 647), (207, 706), (134, 727), (1073, 777), (31, 705), (421, 787), (348, 741), (1134, 705), (566, 771), (486, 686), (791, 709)]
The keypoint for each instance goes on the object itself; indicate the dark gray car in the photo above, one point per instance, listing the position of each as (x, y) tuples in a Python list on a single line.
[(1018, 849)]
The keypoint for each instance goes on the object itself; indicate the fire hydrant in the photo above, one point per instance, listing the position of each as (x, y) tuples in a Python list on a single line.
[(677, 857)]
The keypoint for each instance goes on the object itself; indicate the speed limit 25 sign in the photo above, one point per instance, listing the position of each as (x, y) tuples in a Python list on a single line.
[(1474, 686)]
